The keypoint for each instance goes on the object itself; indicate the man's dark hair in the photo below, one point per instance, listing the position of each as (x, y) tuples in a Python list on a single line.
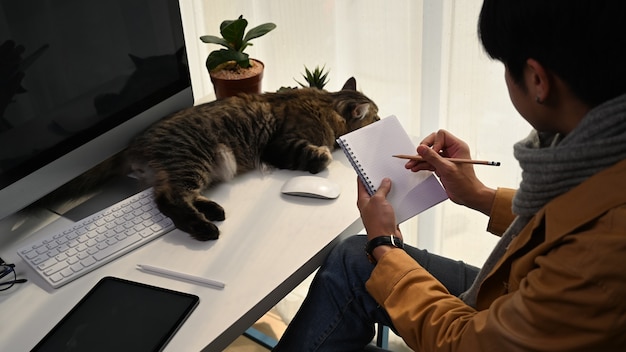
[(583, 42)]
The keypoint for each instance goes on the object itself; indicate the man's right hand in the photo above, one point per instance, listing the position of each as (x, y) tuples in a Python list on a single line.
[(459, 180)]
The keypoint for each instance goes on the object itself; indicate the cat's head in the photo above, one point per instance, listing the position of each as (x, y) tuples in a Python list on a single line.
[(357, 109)]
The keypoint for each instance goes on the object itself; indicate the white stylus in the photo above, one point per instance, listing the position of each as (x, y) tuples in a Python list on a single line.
[(177, 275)]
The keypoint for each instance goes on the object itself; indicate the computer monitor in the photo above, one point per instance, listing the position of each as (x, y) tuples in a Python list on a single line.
[(79, 79)]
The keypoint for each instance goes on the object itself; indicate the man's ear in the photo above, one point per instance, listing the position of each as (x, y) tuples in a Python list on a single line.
[(537, 80)]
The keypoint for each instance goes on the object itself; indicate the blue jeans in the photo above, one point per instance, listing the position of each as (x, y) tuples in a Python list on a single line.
[(339, 314)]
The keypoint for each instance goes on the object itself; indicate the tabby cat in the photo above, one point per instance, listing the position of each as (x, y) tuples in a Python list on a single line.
[(189, 151)]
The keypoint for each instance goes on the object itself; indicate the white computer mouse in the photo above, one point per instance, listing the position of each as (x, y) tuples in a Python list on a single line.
[(311, 186)]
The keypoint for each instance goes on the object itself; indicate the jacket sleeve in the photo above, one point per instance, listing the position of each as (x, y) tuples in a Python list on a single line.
[(501, 213)]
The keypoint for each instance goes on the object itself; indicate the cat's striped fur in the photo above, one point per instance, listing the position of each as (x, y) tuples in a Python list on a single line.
[(189, 151)]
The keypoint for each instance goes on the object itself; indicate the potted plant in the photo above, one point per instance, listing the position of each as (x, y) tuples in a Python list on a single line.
[(230, 68), (315, 79)]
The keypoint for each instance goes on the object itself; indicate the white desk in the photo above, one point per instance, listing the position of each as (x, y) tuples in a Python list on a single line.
[(269, 243)]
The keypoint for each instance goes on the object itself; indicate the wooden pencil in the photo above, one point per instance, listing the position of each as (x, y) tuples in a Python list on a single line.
[(454, 160)]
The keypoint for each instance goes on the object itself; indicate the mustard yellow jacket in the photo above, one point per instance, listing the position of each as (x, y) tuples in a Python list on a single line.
[(560, 286)]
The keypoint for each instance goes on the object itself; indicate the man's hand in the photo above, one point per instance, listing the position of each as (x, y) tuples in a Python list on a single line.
[(377, 213), (459, 180)]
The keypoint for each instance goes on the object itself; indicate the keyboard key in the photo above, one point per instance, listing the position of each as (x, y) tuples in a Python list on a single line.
[(119, 245), (55, 268)]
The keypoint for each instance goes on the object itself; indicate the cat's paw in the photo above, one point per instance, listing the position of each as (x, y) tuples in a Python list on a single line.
[(319, 159), (193, 217), (210, 209), (201, 230)]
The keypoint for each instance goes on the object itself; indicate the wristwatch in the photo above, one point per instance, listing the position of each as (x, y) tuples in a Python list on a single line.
[(387, 240)]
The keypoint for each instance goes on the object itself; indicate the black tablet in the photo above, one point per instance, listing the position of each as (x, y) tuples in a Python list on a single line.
[(121, 315)]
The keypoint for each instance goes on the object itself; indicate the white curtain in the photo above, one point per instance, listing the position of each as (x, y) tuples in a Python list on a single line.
[(417, 59)]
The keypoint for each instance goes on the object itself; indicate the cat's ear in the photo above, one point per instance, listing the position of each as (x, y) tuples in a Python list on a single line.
[(350, 84), (360, 111)]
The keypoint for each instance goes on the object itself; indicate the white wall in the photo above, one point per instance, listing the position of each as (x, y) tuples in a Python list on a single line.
[(417, 59)]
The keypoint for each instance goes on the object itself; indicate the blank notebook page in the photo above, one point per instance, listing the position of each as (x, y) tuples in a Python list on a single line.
[(370, 149)]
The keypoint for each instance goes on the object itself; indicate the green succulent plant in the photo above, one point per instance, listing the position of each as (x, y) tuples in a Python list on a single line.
[(315, 79), (234, 42)]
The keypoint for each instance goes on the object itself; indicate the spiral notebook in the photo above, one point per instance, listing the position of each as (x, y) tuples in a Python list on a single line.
[(370, 151)]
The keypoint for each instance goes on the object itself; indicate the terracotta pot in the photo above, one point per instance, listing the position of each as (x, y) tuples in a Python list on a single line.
[(227, 87)]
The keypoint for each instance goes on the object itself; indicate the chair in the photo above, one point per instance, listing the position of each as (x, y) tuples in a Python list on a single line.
[(382, 339), (382, 336), (260, 338)]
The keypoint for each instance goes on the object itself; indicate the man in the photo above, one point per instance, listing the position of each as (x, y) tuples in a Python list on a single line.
[(556, 280)]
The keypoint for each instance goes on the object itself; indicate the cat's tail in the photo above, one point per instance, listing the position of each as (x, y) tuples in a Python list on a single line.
[(189, 210)]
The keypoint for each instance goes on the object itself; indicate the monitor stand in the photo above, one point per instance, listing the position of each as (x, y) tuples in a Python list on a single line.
[(42, 213), (109, 194)]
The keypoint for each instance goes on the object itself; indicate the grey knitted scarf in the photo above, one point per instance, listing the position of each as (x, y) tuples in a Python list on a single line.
[(552, 165)]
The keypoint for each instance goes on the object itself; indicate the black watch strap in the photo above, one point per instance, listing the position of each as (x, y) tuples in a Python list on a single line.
[(388, 240)]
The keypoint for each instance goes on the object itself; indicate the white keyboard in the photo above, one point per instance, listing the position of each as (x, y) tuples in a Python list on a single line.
[(97, 239)]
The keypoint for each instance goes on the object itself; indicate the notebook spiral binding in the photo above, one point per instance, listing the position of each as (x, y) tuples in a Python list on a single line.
[(371, 189)]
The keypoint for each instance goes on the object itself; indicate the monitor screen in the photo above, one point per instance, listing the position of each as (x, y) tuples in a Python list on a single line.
[(78, 79)]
